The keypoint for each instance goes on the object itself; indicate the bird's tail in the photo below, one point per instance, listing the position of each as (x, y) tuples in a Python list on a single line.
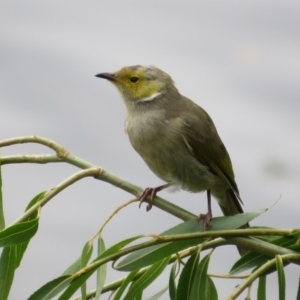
[(230, 204)]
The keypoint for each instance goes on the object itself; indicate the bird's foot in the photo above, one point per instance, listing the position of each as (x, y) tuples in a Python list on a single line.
[(147, 192), (152, 193), (206, 220)]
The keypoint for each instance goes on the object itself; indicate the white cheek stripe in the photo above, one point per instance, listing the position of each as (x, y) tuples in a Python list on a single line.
[(149, 98)]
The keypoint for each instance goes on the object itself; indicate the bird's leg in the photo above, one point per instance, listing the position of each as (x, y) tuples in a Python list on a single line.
[(208, 216), (151, 191)]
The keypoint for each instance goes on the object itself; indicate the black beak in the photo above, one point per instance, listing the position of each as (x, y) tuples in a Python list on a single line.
[(107, 76)]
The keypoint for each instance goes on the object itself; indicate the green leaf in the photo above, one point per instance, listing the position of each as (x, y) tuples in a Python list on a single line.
[(85, 257), (138, 297), (145, 257), (172, 282), (73, 268), (281, 277), (261, 289), (77, 282), (159, 294), (21, 248), (86, 254), (251, 259), (124, 285), (7, 270), (2, 219), (146, 279), (101, 271), (187, 276), (117, 247), (19, 233), (75, 285), (32, 202), (51, 289), (212, 289), (201, 287)]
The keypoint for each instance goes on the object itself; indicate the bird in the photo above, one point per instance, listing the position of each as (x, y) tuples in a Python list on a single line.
[(176, 138)]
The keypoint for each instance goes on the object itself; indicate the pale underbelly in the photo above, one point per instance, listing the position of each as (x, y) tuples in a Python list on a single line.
[(180, 168)]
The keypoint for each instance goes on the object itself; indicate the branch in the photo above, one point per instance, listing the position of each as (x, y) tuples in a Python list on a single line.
[(64, 156), (259, 272), (54, 191)]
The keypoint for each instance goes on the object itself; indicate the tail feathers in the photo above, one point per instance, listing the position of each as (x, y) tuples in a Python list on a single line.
[(230, 204)]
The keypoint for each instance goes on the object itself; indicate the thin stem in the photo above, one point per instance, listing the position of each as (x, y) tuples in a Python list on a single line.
[(165, 239), (259, 272), (59, 150), (99, 232), (228, 276), (54, 191), (187, 252), (104, 176), (64, 156)]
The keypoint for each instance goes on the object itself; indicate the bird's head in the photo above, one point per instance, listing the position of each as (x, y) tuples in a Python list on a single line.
[(140, 83)]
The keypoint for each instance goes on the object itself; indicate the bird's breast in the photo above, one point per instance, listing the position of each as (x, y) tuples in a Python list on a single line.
[(147, 131), (161, 145)]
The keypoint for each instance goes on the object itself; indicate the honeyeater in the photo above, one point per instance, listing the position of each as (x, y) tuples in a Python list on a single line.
[(176, 138)]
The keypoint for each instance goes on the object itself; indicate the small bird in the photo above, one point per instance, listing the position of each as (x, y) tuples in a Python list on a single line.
[(176, 138)]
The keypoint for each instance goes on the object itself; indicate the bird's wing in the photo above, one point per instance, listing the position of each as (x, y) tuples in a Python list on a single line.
[(201, 138)]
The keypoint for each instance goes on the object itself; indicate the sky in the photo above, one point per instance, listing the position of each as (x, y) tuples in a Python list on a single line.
[(239, 60)]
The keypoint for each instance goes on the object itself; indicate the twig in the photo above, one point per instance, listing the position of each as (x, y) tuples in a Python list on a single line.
[(55, 190), (112, 215), (260, 271)]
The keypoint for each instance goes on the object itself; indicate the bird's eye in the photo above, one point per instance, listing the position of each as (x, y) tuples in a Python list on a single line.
[(134, 79)]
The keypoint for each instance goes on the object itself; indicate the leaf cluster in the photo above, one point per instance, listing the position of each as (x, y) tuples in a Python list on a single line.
[(180, 247)]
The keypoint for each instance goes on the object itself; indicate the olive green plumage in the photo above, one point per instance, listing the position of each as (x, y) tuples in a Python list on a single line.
[(176, 138)]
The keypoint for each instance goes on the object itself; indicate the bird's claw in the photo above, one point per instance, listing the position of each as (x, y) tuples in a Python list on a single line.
[(206, 219), (152, 193), (147, 192)]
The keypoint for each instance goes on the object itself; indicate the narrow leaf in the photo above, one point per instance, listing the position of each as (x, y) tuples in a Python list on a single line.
[(33, 201), (158, 294), (145, 257), (2, 219), (146, 279), (85, 257), (77, 282), (261, 289), (212, 289), (51, 289), (101, 271), (19, 233), (86, 254), (138, 297), (21, 248), (200, 288), (74, 285), (73, 268), (281, 277), (187, 276), (172, 282), (251, 259), (117, 247), (7, 270), (124, 285)]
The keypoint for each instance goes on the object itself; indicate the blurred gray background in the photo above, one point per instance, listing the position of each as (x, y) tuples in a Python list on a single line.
[(240, 60)]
